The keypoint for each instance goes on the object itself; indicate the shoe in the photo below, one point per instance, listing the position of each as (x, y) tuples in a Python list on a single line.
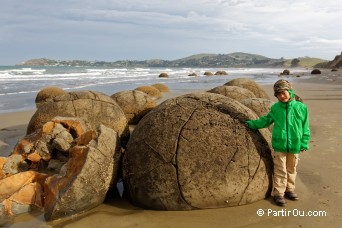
[(279, 200), (291, 195)]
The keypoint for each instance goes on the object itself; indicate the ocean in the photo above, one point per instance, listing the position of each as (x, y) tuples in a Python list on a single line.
[(20, 85)]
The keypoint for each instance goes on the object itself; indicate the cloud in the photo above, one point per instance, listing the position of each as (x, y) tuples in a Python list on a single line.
[(111, 28)]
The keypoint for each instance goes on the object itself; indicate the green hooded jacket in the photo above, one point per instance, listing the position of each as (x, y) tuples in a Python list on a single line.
[(291, 131)]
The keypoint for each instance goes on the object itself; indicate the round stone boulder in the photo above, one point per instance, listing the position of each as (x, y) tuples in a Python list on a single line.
[(221, 72), (150, 90), (163, 75), (249, 84), (161, 87), (48, 93), (194, 152), (316, 71), (135, 104), (234, 92), (260, 106), (94, 108)]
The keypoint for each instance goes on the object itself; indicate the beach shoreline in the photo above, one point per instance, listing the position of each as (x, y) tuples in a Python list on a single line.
[(318, 183)]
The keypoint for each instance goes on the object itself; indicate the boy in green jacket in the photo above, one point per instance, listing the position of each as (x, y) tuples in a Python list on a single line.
[(290, 136)]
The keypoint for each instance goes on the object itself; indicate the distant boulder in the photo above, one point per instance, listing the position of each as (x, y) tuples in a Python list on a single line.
[(208, 73), (192, 74), (48, 93), (221, 72), (163, 75), (285, 72), (194, 152), (334, 69), (161, 87), (234, 92), (134, 103), (150, 90), (316, 71), (250, 85)]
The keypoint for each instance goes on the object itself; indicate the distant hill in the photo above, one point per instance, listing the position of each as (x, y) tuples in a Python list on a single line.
[(336, 63), (303, 62), (236, 59)]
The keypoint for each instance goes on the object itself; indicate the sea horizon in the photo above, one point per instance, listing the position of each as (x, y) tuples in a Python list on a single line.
[(19, 85)]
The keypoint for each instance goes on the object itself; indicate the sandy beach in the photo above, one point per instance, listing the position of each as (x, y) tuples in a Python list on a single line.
[(318, 182)]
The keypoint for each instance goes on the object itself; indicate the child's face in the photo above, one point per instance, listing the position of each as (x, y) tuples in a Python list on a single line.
[(283, 96)]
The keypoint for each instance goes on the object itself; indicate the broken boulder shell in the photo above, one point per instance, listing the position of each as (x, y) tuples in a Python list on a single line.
[(63, 182), (89, 173), (194, 152)]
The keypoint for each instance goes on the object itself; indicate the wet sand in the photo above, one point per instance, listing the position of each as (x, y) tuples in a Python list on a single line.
[(318, 182)]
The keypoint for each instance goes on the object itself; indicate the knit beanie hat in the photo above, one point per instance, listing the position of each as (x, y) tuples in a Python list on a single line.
[(281, 85)]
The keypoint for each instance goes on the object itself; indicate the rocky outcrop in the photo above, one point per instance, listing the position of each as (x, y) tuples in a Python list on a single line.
[(250, 85), (94, 108), (135, 104), (194, 152), (336, 63), (234, 92)]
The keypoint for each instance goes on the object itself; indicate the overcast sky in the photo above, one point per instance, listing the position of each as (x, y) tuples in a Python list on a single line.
[(167, 29)]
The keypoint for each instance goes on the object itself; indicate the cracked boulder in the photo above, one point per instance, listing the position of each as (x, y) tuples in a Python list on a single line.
[(250, 85), (135, 104), (194, 152), (260, 106), (234, 92), (93, 107)]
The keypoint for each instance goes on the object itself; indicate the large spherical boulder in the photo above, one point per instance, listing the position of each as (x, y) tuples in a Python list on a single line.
[(150, 90), (194, 151), (234, 92), (48, 93), (249, 84), (135, 104), (93, 107), (260, 106), (161, 87)]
